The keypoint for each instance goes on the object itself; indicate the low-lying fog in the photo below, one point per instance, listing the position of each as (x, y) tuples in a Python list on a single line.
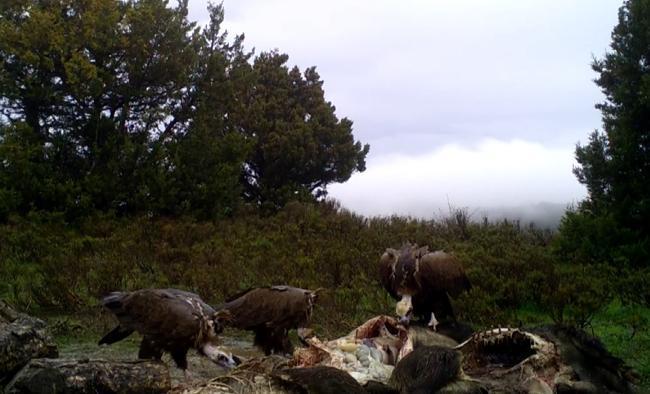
[(495, 179)]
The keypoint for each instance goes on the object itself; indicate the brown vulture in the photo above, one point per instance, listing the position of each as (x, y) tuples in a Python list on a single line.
[(169, 320), (423, 282), (270, 312)]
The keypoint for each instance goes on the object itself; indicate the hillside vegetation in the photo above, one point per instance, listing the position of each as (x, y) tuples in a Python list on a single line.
[(51, 265)]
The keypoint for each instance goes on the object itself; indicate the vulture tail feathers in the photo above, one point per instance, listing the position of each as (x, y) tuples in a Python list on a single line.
[(241, 293), (116, 335)]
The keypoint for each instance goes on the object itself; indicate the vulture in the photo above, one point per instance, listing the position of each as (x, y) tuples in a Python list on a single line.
[(270, 312), (169, 320), (422, 281)]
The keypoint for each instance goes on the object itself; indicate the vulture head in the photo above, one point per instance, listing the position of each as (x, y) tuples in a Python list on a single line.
[(223, 359), (207, 341)]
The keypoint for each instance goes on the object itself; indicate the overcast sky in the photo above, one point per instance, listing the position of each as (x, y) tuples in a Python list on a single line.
[(468, 103)]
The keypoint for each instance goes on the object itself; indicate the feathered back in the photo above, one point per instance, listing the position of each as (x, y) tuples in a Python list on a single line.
[(444, 272), (168, 316), (414, 268), (273, 307)]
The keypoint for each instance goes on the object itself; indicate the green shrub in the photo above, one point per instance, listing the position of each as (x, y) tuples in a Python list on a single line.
[(577, 292), (50, 264)]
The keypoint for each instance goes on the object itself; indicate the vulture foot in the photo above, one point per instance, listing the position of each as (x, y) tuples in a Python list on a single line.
[(433, 323)]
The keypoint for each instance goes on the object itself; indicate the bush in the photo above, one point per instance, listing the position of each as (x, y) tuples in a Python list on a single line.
[(47, 263), (577, 292)]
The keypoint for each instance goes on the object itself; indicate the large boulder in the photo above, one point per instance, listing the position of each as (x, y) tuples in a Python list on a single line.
[(22, 338), (67, 376)]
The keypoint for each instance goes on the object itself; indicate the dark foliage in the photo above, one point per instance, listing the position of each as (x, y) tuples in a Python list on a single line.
[(129, 108), (611, 226), (299, 145)]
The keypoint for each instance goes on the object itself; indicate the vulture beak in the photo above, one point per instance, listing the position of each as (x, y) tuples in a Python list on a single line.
[(228, 360), (304, 334)]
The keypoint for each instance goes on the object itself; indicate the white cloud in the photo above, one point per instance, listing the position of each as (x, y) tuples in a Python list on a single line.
[(491, 174)]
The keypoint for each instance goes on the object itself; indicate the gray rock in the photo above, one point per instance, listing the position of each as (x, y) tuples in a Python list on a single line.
[(7, 313), (22, 338), (68, 376)]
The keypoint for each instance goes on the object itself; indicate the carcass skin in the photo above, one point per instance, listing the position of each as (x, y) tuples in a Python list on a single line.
[(499, 360)]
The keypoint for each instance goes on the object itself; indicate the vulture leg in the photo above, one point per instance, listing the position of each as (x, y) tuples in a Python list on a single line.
[(285, 343), (272, 341), (263, 340), (148, 350), (280, 342), (447, 310), (441, 309), (179, 356)]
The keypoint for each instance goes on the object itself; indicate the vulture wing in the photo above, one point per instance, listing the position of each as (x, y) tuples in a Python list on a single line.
[(278, 307), (442, 272), (387, 264), (167, 316)]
